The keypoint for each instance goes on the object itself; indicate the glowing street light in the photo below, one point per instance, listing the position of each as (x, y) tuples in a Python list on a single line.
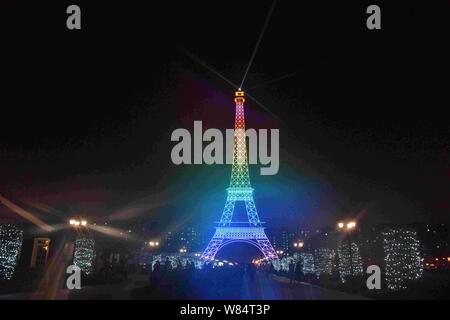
[(299, 244), (153, 244), (183, 250), (346, 226), (77, 223), (351, 225)]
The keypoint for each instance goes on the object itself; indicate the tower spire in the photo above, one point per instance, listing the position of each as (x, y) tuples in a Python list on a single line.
[(240, 177)]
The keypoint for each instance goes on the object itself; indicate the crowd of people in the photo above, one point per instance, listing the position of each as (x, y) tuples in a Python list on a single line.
[(107, 269), (174, 279)]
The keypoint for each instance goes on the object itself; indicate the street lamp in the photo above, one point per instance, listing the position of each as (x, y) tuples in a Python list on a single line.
[(299, 244), (153, 244), (77, 223), (351, 225), (346, 226), (183, 250)]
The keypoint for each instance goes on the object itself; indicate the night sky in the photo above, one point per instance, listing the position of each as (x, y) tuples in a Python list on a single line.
[(363, 115)]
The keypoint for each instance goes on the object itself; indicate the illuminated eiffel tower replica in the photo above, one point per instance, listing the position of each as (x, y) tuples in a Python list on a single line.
[(251, 232)]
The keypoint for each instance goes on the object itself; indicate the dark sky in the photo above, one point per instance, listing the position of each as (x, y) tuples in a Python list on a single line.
[(363, 115)]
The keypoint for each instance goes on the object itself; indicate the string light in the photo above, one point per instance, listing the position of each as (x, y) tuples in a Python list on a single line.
[(350, 262), (402, 257), (84, 255), (307, 262), (323, 261), (11, 240), (239, 190)]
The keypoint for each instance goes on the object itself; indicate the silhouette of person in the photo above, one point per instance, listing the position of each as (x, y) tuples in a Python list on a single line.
[(291, 272), (167, 265)]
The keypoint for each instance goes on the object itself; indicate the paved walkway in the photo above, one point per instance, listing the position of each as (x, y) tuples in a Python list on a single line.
[(260, 288)]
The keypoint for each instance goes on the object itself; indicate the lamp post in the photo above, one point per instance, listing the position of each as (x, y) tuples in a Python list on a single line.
[(348, 227), (79, 225)]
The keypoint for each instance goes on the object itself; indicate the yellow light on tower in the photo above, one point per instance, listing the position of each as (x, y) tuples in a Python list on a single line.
[(239, 97)]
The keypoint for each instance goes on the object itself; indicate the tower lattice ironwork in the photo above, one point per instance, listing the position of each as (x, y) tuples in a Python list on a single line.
[(240, 189)]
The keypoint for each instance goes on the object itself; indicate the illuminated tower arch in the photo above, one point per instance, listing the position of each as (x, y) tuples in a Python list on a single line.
[(240, 189)]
